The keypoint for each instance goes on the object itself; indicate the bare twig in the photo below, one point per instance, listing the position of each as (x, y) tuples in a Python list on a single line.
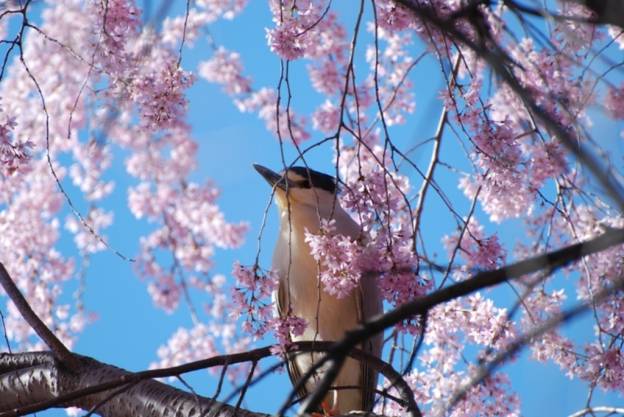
[(4, 330), (435, 153)]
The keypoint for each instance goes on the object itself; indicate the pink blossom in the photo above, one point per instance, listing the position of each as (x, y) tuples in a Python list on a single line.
[(393, 16), (605, 366), (394, 85), (283, 40), (336, 255), (92, 159), (547, 161), (227, 9), (14, 156), (326, 118), (283, 328), (187, 345), (326, 77), (226, 69), (112, 41), (165, 292), (453, 326), (90, 241), (479, 251), (173, 28), (160, 96), (264, 102), (250, 298), (577, 35), (308, 32)]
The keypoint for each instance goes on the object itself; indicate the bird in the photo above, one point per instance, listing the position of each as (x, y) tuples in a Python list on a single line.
[(304, 197)]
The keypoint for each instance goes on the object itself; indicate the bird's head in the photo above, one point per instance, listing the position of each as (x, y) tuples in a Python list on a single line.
[(301, 186)]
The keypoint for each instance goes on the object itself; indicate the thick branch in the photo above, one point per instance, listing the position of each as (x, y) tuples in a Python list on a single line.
[(43, 389), (27, 378), (606, 11)]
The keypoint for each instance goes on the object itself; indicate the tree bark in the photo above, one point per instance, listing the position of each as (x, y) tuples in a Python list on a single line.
[(32, 381), (35, 377)]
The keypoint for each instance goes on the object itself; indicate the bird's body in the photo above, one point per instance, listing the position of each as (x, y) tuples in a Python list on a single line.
[(300, 293)]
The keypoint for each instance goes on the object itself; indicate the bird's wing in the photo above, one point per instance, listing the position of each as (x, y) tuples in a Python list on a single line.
[(291, 365), (368, 300)]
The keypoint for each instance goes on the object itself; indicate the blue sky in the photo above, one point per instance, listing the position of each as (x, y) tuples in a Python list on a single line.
[(130, 328)]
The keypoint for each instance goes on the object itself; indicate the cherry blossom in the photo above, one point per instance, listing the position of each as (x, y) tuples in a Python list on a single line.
[(335, 254), (13, 156), (226, 69), (479, 251)]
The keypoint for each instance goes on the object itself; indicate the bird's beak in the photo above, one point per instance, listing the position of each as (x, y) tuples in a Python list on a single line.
[(273, 178)]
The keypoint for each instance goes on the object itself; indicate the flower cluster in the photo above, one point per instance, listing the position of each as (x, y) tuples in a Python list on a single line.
[(193, 226), (92, 160), (284, 328), (337, 256), (284, 124), (250, 298), (377, 198), (225, 68), (302, 29), (251, 301), (14, 156), (160, 95), (479, 251), (89, 239), (452, 327)]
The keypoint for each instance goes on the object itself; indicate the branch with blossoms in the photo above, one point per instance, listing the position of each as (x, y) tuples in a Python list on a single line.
[(488, 49), (517, 100), (101, 42), (104, 381), (485, 370), (337, 352), (550, 261)]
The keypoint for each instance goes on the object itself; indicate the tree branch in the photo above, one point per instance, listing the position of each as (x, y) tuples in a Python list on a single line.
[(28, 380), (553, 260), (486, 370), (496, 58), (98, 379), (602, 409), (606, 11), (61, 353)]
